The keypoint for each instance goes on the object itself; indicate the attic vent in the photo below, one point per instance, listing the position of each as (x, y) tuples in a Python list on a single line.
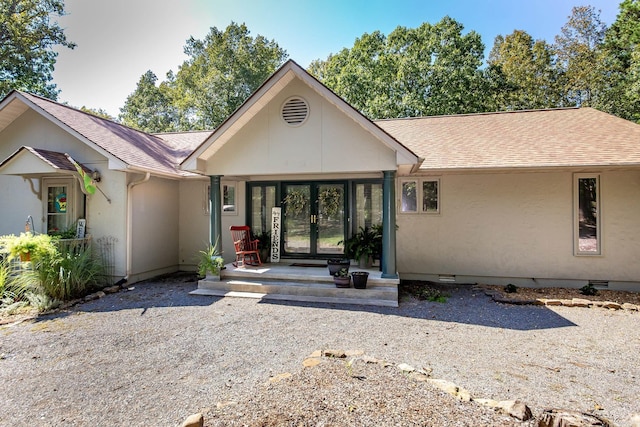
[(295, 111)]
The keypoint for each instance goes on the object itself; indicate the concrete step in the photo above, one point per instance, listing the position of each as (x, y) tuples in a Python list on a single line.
[(380, 292)]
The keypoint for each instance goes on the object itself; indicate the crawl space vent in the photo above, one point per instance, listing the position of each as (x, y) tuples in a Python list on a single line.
[(295, 111)]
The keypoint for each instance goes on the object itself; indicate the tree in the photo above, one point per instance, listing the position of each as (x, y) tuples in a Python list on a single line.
[(529, 76), (222, 71), (150, 108), (27, 35), (619, 69), (578, 48), (429, 70)]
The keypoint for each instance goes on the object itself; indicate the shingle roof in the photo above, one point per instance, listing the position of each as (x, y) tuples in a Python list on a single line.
[(135, 148), (54, 159), (523, 139)]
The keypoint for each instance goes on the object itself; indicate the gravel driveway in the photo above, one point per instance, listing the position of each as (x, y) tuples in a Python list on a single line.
[(153, 355)]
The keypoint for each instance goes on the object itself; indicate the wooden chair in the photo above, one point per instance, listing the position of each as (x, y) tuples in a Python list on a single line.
[(246, 248)]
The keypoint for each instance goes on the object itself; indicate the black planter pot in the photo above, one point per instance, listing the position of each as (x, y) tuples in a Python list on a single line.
[(360, 279), (335, 265)]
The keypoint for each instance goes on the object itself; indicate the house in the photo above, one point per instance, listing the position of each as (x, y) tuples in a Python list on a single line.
[(534, 198), (134, 217)]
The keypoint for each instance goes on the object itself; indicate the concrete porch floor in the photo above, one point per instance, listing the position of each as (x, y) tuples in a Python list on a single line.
[(297, 280)]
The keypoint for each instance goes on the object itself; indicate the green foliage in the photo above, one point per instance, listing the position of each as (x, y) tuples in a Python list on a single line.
[(36, 245), (523, 73), (342, 273), (511, 288), (577, 48), (365, 243), (28, 32), (210, 260), (588, 290), (429, 70), (423, 291), (71, 272), (619, 65), (13, 286), (150, 108)]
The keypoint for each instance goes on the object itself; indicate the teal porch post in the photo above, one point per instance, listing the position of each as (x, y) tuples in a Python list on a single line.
[(216, 212), (389, 226)]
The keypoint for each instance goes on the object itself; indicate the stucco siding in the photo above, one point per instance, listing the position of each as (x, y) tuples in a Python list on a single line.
[(520, 225), (154, 238), (328, 142)]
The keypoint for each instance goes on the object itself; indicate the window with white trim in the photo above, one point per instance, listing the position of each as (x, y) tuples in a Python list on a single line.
[(420, 195), (587, 221), (228, 190)]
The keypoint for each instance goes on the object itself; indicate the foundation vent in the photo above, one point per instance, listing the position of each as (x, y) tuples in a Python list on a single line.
[(447, 278), (295, 111), (599, 284)]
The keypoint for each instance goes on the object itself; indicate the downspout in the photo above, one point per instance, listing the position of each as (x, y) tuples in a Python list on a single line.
[(130, 220)]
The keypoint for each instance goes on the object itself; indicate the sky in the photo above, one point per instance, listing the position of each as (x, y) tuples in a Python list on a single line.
[(119, 40)]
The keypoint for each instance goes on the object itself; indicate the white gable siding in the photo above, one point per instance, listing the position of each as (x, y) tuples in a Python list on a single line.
[(327, 142)]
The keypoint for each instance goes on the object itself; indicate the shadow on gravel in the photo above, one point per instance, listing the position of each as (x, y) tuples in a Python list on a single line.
[(172, 291), (464, 305)]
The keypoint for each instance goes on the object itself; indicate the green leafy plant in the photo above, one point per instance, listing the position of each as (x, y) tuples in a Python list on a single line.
[(35, 245), (365, 243), (423, 291), (588, 290), (511, 288), (70, 272), (342, 273), (210, 260)]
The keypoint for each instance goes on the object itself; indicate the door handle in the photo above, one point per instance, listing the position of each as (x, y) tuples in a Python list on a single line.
[(314, 219)]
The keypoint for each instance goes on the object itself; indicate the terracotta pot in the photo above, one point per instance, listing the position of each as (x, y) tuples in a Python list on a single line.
[(342, 282)]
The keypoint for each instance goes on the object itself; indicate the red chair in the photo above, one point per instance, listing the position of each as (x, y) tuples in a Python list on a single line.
[(246, 248)]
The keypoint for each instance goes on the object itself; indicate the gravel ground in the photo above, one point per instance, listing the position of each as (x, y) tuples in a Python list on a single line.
[(153, 355)]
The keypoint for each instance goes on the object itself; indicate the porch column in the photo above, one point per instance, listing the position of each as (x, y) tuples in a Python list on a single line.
[(389, 226), (216, 212)]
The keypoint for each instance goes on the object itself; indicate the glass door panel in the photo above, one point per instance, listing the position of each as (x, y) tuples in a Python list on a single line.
[(263, 199), (368, 204), (57, 209), (297, 219), (329, 220)]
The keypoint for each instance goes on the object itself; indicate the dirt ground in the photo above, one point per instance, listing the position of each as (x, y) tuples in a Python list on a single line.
[(532, 294)]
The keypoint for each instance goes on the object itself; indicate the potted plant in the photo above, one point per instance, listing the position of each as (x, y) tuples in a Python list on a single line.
[(364, 245), (342, 279), (360, 279), (335, 264), (28, 245), (211, 261)]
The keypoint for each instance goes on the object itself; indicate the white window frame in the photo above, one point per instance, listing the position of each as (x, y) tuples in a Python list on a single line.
[(419, 196), (576, 215), (229, 184), (73, 195), (207, 198)]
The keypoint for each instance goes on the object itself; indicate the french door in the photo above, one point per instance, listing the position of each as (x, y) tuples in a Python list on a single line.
[(314, 220)]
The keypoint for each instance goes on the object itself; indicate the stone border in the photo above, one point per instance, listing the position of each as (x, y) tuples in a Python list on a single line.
[(550, 302)]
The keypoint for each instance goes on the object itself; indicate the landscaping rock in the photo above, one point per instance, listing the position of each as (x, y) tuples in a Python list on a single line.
[(564, 418), (631, 307), (406, 368), (310, 362), (338, 354), (611, 305), (195, 420), (451, 388), (101, 294), (514, 408), (111, 289), (635, 420), (581, 302), (91, 297)]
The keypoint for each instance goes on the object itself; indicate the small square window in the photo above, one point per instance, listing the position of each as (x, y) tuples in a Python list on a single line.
[(420, 196)]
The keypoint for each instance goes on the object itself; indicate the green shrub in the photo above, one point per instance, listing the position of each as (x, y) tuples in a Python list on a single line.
[(14, 284), (588, 290), (35, 245), (70, 273), (511, 288)]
